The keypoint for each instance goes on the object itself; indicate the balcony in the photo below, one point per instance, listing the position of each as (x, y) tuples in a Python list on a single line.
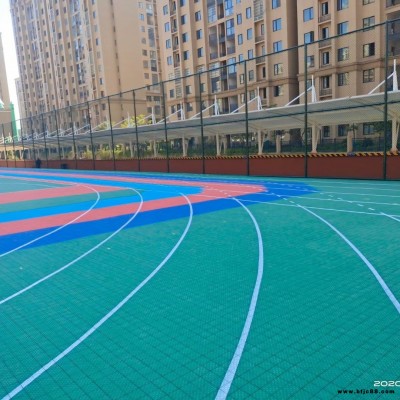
[(391, 3), (325, 92), (324, 18), (260, 38), (324, 43)]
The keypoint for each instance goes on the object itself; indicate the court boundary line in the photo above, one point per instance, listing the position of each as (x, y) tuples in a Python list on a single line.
[(45, 278), (96, 326), (231, 371), (380, 280), (60, 227)]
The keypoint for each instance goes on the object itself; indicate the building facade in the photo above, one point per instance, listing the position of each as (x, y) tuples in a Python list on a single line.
[(75, 51)]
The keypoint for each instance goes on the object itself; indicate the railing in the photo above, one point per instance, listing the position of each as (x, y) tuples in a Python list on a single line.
[(324, 18), (324, 43), (325, 92)]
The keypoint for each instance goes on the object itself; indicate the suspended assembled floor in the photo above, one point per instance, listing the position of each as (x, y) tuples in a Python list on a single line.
[(132, 286)]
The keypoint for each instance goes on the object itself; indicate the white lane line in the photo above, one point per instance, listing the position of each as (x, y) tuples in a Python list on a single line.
[(380, 280), (271, 203), (45, 278), (390, 216), (231, 372), (341, 200), (96, 326), (60, 227)]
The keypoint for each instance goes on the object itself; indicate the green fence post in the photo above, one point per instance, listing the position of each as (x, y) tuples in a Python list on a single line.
[(136, 129), (165, 123), (201, 126), (111, 132), (305, 113), (385, 116)]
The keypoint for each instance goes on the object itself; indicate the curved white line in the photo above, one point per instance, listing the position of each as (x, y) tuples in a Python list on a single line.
[(380, 280), (45, 278), (231, 372), (39, 372), (60, 227)]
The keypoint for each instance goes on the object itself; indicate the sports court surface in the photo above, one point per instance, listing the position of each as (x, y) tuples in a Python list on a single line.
[(151, 286)]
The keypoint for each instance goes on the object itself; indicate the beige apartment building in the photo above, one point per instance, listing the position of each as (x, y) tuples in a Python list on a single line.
[(75, 51), (196, 36), (341, 64), (5, 115)]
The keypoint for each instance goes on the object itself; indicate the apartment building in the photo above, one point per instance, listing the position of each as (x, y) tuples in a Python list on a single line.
[(195, 36), (5, 115), (75, 51), (340, 64)]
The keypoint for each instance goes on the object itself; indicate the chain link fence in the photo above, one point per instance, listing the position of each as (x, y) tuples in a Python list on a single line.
[(335, 95)]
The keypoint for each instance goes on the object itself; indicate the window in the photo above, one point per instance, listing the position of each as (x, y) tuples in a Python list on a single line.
[(169, 60), (165, 10), (308, 14), (326, 82), (342, 28), (365, 2), (183, 19), (251, 75), (343, 54), (342, 4), (186, 55), (250, 54), (368, 129), (167, 27), (325, 8), (367, 22), (278, 90), (277, 46), (276, 3), (369, 50), (239, 19), (241, 57), (188, 89), (240, 39), (230, 27), (199, 34), (197, 16), (249, 33), (277, 24), (325, 32), (326, 131), (171, 93), (325, 58), (310, 61), (185, 37), (248, 12), (369, 75), (278, 69), (309, 37), (182, 2), (342, 130), (200, 52), (189, 107), (343, 79), (141, 17)]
